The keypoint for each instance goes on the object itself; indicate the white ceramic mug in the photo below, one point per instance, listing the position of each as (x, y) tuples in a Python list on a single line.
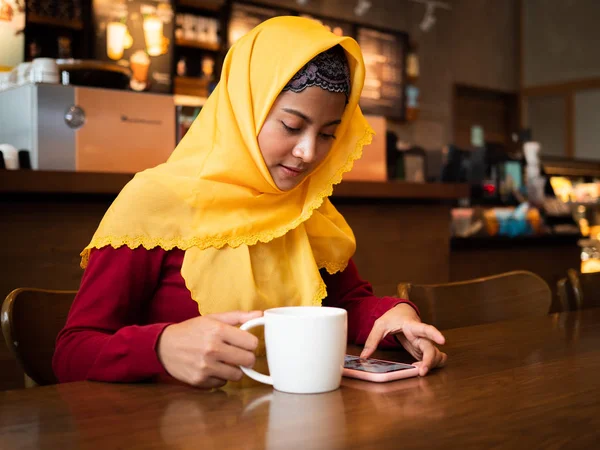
[(306, 346)]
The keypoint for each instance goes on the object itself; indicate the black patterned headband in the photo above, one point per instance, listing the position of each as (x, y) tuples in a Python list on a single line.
[(329, 70)]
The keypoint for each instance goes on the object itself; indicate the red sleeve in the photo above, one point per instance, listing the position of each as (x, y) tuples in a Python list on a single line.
[(101, 340), (347, 290)]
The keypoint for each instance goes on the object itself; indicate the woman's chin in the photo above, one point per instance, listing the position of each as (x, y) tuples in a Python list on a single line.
[(287, 185)]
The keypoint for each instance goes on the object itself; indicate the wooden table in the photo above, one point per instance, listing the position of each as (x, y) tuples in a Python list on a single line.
[(530, 383)]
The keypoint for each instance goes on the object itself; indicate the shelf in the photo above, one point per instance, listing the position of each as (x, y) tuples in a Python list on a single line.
[(192, 86), (207, 5), (505, 242), (197, 44), (54, 22), (189, 100), (191, 81), (401, 190), (56, 182), (570, 167)]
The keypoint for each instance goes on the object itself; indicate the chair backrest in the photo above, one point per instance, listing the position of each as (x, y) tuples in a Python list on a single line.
[(31, 319), (482, 300), (579, 290)]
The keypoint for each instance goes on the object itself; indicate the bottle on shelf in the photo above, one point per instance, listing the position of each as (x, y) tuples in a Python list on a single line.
[(182, 67)]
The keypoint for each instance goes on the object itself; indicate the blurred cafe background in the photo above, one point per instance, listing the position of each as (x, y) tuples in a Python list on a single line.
[(486, 158)]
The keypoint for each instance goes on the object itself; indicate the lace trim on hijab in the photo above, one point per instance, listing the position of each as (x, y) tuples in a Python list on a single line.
[(329, 70)]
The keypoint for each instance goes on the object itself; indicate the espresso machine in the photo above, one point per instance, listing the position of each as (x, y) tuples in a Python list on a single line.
[(88, 129)]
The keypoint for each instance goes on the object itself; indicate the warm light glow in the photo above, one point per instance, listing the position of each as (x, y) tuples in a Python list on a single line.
[(372, 58), (584, 227), (590, 254), (208, 65), (153, 33), (6, 12), (412, 65), (590, 265), (115, 40), (128, 41), (236, 33), (562, 188), (373, 83), (595, 232)]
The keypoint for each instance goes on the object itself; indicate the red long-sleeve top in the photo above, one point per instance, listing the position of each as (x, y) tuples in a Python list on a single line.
[(127, 298)]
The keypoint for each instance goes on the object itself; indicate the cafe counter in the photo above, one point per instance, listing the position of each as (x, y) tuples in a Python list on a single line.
[(549, 256)]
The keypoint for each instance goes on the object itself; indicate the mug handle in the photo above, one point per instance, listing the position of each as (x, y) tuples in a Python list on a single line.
[(261, 378)]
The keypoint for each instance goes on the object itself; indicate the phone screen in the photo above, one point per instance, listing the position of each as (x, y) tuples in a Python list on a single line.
[(373, 365)]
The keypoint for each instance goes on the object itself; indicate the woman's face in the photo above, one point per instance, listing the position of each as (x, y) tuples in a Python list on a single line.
[(299, 132)]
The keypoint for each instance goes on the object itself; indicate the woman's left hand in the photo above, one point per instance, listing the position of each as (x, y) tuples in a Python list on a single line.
[(416, 337)]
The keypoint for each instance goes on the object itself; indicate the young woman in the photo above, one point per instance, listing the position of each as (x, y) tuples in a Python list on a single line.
[(237, 221)]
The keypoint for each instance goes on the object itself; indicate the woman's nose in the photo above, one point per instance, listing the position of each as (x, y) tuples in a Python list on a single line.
[(305, 150)]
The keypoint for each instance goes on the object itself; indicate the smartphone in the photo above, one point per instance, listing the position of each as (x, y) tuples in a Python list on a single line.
[(377, 370)]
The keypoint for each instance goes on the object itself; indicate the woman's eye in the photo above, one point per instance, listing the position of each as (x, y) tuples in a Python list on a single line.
[(288, 128), (327, 136)]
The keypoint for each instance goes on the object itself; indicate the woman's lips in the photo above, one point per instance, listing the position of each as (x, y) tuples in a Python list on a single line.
[(291, 171)]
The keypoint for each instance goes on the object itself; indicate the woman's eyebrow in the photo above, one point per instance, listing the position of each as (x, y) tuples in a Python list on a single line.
[(308, 119), (299, 114)]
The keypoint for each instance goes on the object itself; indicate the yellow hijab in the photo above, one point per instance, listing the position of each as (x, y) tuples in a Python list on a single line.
[(248, 245)]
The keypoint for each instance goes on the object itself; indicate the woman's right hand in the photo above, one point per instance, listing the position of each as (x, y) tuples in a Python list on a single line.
[(207, 351)]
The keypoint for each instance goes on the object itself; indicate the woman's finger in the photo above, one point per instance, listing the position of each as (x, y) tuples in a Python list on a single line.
[(239, 338), (429, 355), (235, 317), (415, 352), (235, 356), (377, 334), (419, 329), (227, 372), (212, 383), (443, 359)]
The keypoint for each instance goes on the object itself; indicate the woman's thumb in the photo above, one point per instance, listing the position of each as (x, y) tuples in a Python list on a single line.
[(236, 317)]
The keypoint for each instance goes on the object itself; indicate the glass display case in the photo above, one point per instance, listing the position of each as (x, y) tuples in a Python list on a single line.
[(576, 203)]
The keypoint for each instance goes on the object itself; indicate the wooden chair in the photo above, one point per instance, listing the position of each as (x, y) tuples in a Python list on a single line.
[(482, 300), (579, 290), (564, 292), (31, 319)]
